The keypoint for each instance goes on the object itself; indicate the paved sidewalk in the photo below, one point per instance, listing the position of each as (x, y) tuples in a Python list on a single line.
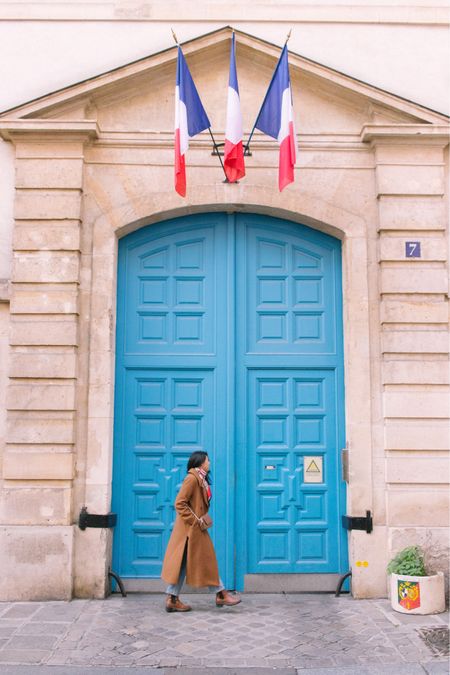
[(277, 633)]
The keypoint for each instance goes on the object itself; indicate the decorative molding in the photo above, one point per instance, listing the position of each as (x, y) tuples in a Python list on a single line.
[(15, 129), (406, 132), (5, 291), (309, 12)]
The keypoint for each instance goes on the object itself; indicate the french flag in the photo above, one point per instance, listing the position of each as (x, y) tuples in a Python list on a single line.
[(234, 153), (190, 119), (276, 119)]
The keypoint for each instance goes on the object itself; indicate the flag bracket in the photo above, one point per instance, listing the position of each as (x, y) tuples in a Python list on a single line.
[(218, 152)]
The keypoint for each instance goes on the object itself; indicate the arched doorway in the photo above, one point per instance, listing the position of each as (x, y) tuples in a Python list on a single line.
[(229, 339)]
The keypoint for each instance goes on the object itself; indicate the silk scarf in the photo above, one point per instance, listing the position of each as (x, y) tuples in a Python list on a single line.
[(206, 485)]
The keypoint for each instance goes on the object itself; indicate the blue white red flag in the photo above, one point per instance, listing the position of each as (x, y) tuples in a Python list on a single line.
[(190, 119), (276, 119), (234, 153)]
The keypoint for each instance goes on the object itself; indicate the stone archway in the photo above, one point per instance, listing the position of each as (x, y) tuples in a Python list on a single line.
[(114, 222)]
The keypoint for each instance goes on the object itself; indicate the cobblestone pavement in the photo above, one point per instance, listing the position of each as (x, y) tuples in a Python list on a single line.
[(285, 634)]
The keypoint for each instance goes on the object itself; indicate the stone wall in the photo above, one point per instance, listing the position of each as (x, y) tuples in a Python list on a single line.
[(413, 468), (410, 404), (38, 460)]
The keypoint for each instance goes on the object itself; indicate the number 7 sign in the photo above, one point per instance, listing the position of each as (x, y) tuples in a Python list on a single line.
[(412, 249)]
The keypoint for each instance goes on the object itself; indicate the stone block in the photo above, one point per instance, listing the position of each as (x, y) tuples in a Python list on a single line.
[(101, 368), (102, 328), (394, 153), (38, 466), (101, 399), (36, 562), (394, 248), (35, 396), (62, 148), (417, 436), (100, 434), (410, 180), (412, 213), (47, 205), (414, 342), (44, 299), (91, 571), (41, 331), (417, 404), (426, 507), (49, 173), (5, 290), (379, 504), (46, 236), (98, 496), (415, 372), (29, 505), (38, 447), (46, 267), (35, 364), (417, 279), (428, 470), (415, 311), (40, 428), (368, 563)]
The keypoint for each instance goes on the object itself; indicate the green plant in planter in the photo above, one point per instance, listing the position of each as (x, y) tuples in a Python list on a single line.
[(409, 562)]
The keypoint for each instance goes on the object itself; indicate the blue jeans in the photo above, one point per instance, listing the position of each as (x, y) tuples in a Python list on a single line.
[(175, 589)]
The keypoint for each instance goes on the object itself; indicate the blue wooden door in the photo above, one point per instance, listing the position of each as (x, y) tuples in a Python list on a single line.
[(171, 383), (290, 398), (229, 341)]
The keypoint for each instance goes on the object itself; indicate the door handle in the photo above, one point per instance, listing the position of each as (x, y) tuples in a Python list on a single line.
[(291, 487), (285, 483), (292, 493)]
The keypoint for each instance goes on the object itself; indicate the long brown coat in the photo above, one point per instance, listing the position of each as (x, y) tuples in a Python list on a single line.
[(201, 564)]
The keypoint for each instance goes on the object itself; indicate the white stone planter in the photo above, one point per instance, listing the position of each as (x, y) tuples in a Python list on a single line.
[(417, 595)]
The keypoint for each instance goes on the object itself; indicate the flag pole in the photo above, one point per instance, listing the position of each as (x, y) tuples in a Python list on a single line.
[(216, 147), (217, 151), (246, 149)]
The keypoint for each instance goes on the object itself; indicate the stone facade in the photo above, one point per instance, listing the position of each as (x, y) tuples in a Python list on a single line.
[(93, 163)]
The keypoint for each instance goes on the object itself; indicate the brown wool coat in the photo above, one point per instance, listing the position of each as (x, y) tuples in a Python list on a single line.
[(201, 564)]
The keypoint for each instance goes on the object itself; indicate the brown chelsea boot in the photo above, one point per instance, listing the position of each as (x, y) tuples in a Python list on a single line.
[(174, 604), (225, 599)]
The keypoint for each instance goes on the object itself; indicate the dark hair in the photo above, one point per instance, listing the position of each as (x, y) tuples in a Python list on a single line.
[(195, 460)]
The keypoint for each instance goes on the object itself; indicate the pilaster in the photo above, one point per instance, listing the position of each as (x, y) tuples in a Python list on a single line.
[(41, 398), (413, 213)]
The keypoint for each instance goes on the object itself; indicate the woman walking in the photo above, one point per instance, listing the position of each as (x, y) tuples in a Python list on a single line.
[(190, 552)]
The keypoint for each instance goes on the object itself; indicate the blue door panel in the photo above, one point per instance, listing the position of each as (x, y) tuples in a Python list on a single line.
[(293, 524), (229, 340), (289, 398), (171, 304), (290, 289), (166, 418), (170, 383)]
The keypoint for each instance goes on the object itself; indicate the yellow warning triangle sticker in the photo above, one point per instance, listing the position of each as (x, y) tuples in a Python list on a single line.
[(313, 468)]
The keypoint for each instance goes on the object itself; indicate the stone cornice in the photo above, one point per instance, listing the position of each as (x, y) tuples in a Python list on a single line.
[(19, 129), (407, 133), (262, 12), (5, 290)]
